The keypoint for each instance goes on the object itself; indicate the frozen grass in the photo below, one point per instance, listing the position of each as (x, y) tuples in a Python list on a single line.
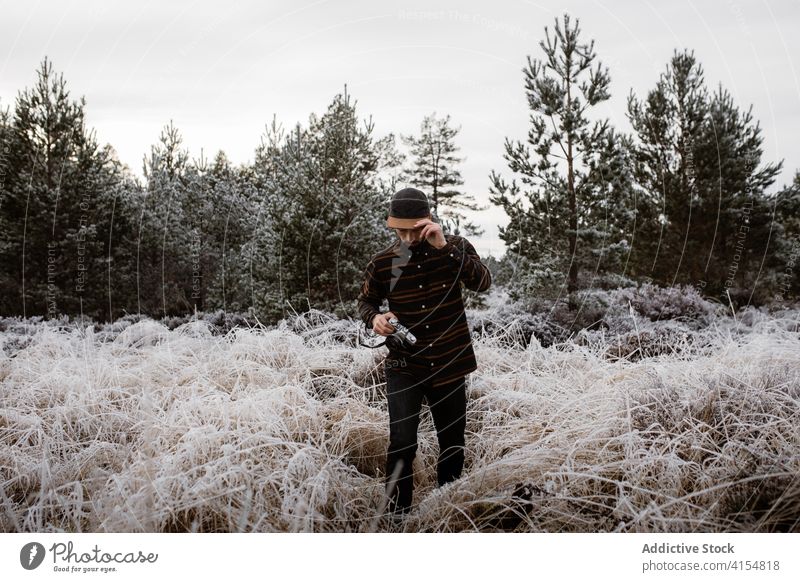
[(138, 428)]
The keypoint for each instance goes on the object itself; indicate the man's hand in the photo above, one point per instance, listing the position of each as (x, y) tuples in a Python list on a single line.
[(381, 325), (432, 231)]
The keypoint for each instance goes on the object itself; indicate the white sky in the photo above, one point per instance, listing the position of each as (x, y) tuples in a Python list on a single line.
[(220, 70)]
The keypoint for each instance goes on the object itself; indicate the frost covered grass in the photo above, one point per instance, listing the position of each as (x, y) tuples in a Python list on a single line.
[(138, 428)]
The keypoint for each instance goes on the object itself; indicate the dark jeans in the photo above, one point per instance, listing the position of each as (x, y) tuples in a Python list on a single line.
[(448, 405)]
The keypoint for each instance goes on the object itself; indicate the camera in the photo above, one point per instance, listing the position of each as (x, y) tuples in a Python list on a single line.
[(401, 332)]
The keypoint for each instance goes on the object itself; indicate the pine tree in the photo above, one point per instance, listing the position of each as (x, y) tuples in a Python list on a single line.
[(59, 192), (435, 170), (785, 286), (120, 293), (226, 232), (168, 240), (574, 207), (5, 150), (321, 213), (391, 171), (697, 159), (199, 215)]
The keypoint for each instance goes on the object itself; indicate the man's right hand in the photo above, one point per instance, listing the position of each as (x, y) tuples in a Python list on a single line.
[(381, 325)]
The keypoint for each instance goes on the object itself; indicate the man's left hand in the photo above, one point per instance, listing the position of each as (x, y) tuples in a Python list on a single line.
[(432, 231)]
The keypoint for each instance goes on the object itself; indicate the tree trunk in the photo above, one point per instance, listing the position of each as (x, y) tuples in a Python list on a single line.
[(572, 280)]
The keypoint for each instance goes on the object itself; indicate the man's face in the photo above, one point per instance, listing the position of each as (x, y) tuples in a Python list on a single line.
[(409, 236)]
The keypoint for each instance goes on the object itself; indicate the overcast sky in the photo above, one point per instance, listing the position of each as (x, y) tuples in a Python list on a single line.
[(220, 70)]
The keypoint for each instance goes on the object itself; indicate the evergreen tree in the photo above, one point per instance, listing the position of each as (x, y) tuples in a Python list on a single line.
[(575, 204), (169, 235), (226, 232), (321, 213), (391, 170), (59, 192), (122, 244), (5, 150), (697, 158), (786, 285), (435, 169)]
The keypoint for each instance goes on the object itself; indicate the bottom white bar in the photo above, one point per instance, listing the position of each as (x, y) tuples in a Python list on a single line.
[(406, 557)]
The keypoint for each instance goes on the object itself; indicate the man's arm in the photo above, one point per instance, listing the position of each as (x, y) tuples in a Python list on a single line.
[(474, 274), (370, 297)]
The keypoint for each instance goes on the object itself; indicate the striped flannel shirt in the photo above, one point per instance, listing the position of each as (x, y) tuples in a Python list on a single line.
[(423, 287)]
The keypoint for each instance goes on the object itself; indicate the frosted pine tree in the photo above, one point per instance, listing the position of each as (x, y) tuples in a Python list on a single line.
[(227, 187), (321, 213), (167, 236), (391, 173), (435, 171), (697, 160), (59, 188), (272, 183), (571, 213), (351, 206), (786, 286), (207, 209)]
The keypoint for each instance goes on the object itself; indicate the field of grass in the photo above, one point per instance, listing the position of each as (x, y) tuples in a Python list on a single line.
[(135, 427)]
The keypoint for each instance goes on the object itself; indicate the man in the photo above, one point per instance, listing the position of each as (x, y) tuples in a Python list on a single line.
[(421, 275)]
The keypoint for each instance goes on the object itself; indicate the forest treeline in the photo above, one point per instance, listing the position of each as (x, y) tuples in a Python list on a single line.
[(686, 198)]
